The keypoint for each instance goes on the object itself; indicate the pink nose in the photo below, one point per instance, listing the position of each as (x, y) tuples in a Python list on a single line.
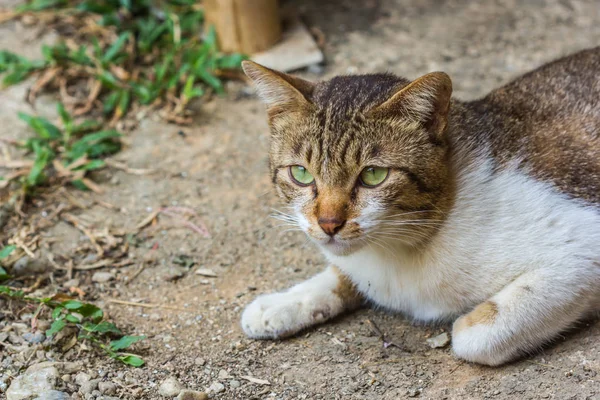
[(331, 226)]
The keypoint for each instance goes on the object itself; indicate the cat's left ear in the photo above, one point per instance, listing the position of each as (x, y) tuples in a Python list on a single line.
[(426, 100), (279, 91)]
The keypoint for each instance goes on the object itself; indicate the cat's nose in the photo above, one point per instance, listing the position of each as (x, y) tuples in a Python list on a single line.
[(331, 226)]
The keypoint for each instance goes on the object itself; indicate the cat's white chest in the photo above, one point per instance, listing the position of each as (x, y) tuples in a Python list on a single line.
[(413, 288)]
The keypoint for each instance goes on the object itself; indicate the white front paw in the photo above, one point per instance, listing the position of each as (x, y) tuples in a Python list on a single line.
[(279, 315)]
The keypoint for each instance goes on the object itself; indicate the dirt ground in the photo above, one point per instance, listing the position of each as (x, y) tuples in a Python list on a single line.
[(218, 167)]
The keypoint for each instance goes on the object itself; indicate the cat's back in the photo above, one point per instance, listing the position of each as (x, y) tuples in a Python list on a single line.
[(547, 122)]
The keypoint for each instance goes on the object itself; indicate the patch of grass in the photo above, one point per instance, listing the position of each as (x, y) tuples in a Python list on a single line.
[(67, 153), (128, 53), (87, 318), (4, 253)]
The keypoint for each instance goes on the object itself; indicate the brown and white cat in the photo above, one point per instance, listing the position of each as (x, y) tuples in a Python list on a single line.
[(487, 211)]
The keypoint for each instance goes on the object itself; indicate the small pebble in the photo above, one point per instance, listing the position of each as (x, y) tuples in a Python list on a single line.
[(216, 387), (235, 384), (170, 387), (82, 378), (316, 69), (89, 386), (439, 341), (107, 387), (34, 338), (71, 283), (199, 361), (192, 395), (223, 374), (206, 272), (43, 325), (102, 277)]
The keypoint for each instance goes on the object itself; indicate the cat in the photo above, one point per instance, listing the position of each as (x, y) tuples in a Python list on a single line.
[(485, 213)]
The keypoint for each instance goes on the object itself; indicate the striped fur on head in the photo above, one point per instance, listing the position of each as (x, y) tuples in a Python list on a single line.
[(338, 127)]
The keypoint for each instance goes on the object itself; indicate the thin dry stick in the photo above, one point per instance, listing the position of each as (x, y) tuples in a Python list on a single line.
[(96, 265), (381, 335), (102, 263), (136, 273), (202, 230), (79, 225), (74, 201), (93, 187), (24, 247), (122, 166), (146, 305), (16, 164), (146, 221), (106, 205)]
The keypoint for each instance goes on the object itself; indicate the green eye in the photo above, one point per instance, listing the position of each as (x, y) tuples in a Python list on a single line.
[(301, 176), (373, 176)]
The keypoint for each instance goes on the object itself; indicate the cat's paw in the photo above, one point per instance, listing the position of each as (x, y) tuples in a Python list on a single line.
[(476, 338), (280, 315)]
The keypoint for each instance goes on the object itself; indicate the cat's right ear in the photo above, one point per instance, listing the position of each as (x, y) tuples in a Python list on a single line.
[(426, 101), (279, 91)]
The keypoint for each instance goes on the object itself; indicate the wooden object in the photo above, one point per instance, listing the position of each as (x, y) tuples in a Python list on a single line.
[(295, 50), (245, 26)]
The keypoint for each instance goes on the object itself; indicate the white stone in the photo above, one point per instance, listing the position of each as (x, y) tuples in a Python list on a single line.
[(33, 383), (170, 387)]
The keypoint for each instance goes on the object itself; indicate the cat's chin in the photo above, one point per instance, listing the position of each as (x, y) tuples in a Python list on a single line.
[(339, 247)]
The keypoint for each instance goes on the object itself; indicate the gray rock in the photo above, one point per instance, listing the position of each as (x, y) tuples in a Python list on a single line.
[(4, 383), (27, 266), (170, 387), (35, 381), (439, 341), (107, 387), (102, 277), (192, 395), (34, 338), (89, 386), (216, 387), (235, 384), (199, 361), (223, 374), (316, 69), (82, 378), (54, 395), (43, 325), (71, 283), (21, 265), (67, 367)]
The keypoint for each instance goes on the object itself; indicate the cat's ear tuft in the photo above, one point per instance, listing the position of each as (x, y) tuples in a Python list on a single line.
[(426, 100), (279, 91)]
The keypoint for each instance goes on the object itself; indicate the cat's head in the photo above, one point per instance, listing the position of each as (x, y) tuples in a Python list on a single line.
[(359, 160)]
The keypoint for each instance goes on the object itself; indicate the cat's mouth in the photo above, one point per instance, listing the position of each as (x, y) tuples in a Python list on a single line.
[(338, 246)]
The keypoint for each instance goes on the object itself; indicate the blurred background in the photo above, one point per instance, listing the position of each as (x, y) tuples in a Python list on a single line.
[(135, 197)]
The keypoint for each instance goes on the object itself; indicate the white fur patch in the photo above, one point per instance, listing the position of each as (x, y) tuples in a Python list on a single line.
[(283, 314)]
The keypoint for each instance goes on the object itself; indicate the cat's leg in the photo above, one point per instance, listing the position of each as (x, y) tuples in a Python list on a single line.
[(526, 314), (309, 303)]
